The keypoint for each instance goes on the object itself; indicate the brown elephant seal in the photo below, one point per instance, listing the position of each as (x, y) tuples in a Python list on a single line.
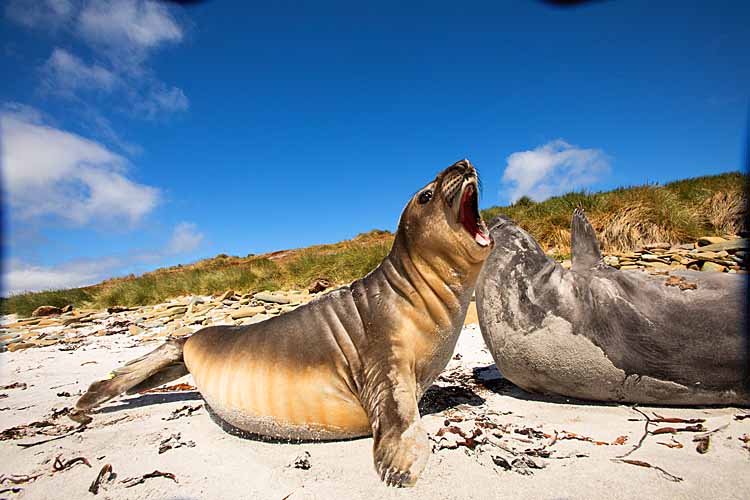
[(353, 362), (595, 332)]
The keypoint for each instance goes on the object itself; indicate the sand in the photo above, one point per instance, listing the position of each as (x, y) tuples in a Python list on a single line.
[(127, 432)]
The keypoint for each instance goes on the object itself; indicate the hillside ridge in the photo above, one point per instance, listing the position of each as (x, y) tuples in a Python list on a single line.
[(625, 219)]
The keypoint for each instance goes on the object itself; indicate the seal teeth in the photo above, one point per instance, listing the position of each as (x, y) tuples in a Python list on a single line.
[(452, 187)]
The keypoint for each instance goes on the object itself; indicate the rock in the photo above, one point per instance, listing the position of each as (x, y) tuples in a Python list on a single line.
[(611, 260), (628, 267), (269, 297), (319, 285), (46, 311), (712, 267), (654, 246), (729, 246), (117, 309), (171, 313), (67, 309), (181, 332), (566, 264), (135, 330), (198, 310), (710, 240), (685, 246), (651, 258), (18, 346), (701, 255), (654, 265), (628, 255), (247, 312), (228, 295)]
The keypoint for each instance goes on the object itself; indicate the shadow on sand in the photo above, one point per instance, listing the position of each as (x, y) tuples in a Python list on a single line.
[(491, 379), (151, 399)]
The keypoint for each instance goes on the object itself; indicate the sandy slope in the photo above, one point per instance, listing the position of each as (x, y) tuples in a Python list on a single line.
[(127, 433)]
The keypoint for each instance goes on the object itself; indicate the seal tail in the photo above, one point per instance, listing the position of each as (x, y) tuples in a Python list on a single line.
[(158, 367)]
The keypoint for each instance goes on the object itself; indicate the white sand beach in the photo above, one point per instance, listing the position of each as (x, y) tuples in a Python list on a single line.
[(524, 446)]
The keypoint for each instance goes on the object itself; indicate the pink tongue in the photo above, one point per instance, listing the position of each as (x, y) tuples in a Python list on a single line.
[(481, 239)]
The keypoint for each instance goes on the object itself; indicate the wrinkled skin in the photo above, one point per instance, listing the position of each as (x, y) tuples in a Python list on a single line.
[(594, 332)]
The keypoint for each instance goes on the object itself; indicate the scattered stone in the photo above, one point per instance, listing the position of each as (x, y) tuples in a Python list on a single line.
[(612, 261), (319, 285), (710, 240), (117, 309), (709, 266), (653, 265), (651, 258), (46, 311), (181, 332), (269, 297), (247, 312), (19, 346), (628, 267), (655, 246), (67, 309), (228, 295), (738, 244), (135, 330)]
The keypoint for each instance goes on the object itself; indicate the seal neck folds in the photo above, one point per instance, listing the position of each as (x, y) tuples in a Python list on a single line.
[(434, 263)]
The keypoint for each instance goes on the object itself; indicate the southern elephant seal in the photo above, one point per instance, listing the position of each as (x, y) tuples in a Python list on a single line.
[(594, 332), (354, 362)]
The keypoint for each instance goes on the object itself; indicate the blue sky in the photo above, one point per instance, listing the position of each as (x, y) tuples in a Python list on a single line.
[(137, 134)]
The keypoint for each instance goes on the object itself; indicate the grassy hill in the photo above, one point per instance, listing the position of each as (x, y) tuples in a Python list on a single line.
[(624, 218)]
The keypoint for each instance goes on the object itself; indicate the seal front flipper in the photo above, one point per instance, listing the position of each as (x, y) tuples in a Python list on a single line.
[(401, 446), (584, 247)]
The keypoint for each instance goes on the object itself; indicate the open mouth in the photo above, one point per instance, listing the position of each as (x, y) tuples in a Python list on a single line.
[(468, 216)]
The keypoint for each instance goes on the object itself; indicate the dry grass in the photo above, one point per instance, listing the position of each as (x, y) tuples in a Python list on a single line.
[(624, 219), (341, 262)]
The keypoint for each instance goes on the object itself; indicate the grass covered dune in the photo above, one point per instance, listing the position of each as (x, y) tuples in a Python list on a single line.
[(624, 219)]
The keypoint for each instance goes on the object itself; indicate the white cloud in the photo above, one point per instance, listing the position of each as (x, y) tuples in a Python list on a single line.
[(185, 239), (50, 172), (137, 24), (20, 276), (67, 73), (552, 169), (39, 13), (122, 35)]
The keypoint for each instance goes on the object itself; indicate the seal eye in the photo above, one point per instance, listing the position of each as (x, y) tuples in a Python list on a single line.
[(425, 196)]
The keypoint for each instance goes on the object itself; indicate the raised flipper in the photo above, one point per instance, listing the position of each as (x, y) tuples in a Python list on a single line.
[(584, 246), (401, 447), (155, 368)]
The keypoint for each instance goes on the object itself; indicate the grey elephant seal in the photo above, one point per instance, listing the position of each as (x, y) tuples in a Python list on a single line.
[(594, 332), (354, 362)]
